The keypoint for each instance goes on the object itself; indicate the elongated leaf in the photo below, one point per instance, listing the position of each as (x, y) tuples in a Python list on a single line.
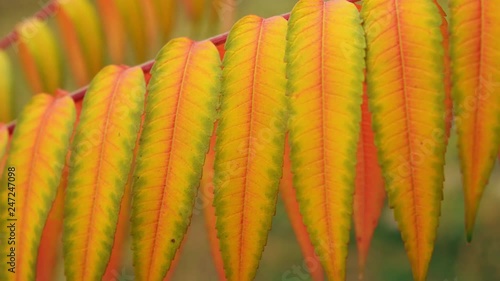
[(5, 88), (114, 29), (325, 58), (369, 195), (250, 141), (207, 198), (39, 56), (82, 38), (183, 95), (476, 91), (101, 159), (406, 92), (36, 160), (194, 9), (289, 196)]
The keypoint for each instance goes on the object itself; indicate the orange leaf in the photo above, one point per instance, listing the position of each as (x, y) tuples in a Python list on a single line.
[(325, 55), (369, 194)]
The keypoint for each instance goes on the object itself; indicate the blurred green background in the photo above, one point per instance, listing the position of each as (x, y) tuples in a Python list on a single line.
[(453, 260)]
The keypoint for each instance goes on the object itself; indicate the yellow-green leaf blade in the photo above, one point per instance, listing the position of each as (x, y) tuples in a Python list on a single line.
[(101, 160), (180, 112), (474, 29)]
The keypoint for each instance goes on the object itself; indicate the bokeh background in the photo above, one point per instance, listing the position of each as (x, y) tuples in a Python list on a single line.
[(453, 260)]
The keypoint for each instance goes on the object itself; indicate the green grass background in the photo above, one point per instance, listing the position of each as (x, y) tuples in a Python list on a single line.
[(453, 260)]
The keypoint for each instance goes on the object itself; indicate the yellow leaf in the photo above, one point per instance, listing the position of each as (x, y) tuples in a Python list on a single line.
[(179, 116), (406, 92), (475, 56), (39, 56), (35, 163), (82, 37), (101, 160), (250, 141), (325, 55)]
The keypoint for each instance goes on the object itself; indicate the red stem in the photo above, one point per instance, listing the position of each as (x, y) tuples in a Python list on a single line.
[(146, 67)]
